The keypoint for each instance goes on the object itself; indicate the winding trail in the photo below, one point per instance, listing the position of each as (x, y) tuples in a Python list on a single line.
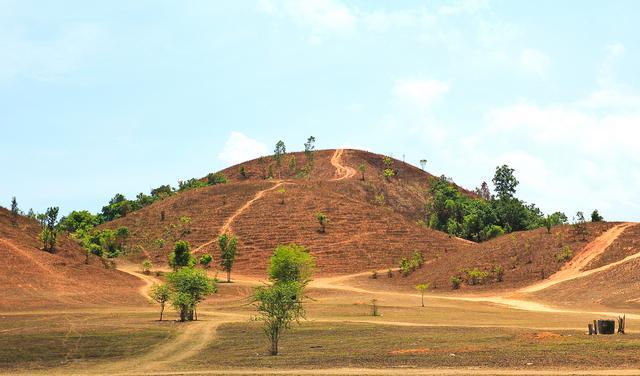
[(148, 280), (574, 268), (342, 172), (226, 226), (571, 271)]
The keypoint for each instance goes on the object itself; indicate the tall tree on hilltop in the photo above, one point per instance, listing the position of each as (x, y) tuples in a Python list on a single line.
[(309, 152), (505, 182), (49, 233), (278, 153), (14, 211)]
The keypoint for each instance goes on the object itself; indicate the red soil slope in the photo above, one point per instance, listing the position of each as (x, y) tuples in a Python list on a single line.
[(31, 278), (361, 234)]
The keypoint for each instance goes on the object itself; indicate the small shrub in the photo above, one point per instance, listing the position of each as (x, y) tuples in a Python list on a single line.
[(323, 220), (379, 199), (405, 267), (565, 255), (476, 277), (455, 282), (205, 260), (417, 260), (146, 266), (498, 273), (243, 172), (217, 178)]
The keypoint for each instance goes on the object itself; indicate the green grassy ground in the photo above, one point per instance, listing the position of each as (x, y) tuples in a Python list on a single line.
[(312, 345), (41, 341)]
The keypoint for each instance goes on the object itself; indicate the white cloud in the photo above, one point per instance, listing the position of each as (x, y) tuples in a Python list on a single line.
[(464, 6), (321, 17), (422, 93), (534, 61), (239, 148)]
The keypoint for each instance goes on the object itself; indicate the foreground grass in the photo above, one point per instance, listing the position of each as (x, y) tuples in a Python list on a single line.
[(322, 345), (43, 341)]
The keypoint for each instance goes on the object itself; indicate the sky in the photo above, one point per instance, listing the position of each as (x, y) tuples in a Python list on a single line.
[(99, 98)]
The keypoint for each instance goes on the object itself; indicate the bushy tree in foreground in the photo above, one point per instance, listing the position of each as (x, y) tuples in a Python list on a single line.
[(280, 304), (189, 287), (228, 246)]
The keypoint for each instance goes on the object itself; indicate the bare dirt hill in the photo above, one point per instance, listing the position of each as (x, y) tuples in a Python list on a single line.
[(363, 233), (32, 279)]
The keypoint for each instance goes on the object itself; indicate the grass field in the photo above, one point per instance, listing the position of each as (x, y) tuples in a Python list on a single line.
[(316, 345), (35, 341)]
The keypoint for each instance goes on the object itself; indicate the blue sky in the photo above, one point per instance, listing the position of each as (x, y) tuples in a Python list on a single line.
[(122, 96)]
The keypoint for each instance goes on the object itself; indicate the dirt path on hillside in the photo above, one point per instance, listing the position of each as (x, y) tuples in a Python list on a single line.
[(342, 172), (573, 269), (148, 280), (226, 226)]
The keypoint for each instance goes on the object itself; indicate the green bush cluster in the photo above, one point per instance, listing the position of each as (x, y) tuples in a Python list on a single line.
[(485, 217), (407, 266)]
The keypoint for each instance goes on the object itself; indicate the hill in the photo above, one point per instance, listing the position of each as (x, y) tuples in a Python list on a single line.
[(32, 278), (364, 233)]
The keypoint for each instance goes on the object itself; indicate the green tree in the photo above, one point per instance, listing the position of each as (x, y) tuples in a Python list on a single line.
[(309, 148), (421, 289), (323, 220), (79, 222), (580, 225), (189, 287), (505, 182), (228, 245), (278, 153), (291, 263), (596, 217), (205, 260), (118, 207), (190, 184), (162, 191), (161, 294), (362, 168), (181, 256), (15, 211), (279, 305), (49, 232), (243, 172), (282, 191)]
